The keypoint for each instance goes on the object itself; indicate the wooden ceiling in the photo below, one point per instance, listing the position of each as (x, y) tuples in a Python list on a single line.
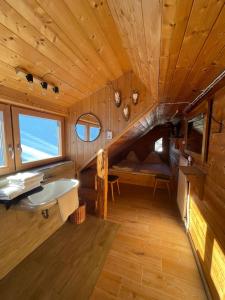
[(176, 47), (72, 44)]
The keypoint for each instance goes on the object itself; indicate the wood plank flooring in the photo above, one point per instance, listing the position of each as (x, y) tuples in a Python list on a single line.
[(64, 267), (150, 257)]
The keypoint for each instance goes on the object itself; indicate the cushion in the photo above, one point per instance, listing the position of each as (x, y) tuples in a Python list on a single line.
[(131, 156), (153, 158)]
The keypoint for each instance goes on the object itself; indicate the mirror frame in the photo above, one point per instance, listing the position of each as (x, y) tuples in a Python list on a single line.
[(87, 113), (203, 108)]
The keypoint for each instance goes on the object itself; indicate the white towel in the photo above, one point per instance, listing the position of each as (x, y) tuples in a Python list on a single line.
[(26, 184), (22, 178), (9, 192), (3, 182), (68, 203)]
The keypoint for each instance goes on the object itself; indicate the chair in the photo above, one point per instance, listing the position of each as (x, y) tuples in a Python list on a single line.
[(111, 180), (162, 179)]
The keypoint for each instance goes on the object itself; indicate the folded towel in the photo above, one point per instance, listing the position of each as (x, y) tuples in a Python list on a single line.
[(3, 182), (9, 192), (25, 177), (25, 184), (68, 203)]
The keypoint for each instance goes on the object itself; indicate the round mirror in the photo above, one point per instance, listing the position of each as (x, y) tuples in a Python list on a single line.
[(88, 127)]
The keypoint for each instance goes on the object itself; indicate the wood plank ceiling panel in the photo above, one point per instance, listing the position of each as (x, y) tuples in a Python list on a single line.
[(102, 12), (193, 46), (176, 47), (174, 23), (62, 42), (139, 24), (211, 60)]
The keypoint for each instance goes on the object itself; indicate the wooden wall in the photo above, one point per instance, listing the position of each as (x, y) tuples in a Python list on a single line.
[(21, 232), (102, 105), (207, 215)]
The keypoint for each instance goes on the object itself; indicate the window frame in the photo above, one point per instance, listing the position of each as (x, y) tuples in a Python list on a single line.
[(8, 139), (17, 143)]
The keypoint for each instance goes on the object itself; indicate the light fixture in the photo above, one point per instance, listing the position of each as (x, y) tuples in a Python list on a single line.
[(56, 91), (34, 79), (30, 80), (44, 86)]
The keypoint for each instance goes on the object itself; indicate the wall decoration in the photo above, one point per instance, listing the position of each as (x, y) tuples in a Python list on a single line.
[(117, 98), (135, 97), (126, 112)]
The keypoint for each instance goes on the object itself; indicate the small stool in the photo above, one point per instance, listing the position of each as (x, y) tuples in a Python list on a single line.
[(111, 180), (162, 179)]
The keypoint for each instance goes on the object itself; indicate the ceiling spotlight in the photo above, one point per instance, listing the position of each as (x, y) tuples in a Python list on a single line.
[(30, 80), (44, 86), (55, 89)]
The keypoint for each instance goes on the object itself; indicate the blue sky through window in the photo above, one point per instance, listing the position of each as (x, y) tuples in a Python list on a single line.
[(81, 131), (39, 138), (94, 132)]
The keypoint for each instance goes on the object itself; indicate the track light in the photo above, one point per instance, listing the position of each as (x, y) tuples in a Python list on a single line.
[(34, 79), (30, 81), (44, 86), (29, 78), (56, 91)]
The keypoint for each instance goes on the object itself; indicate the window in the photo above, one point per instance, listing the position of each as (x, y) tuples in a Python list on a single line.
[(37, 137), (159, 145), (37, 143), (6, 142)]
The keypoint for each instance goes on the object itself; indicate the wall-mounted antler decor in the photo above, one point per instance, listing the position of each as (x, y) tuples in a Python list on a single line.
[(126, 112), (117, 98), (135, 97)]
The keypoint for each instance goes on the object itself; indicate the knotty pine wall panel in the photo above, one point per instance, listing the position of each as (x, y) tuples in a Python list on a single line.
[(207, 215), (102, 105)]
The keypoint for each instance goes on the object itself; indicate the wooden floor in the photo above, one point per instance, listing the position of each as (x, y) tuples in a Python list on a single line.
[(150, 257), (64, 267)]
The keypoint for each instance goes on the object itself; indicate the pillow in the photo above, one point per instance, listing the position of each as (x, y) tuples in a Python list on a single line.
[(131, 156), (153, 158)]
